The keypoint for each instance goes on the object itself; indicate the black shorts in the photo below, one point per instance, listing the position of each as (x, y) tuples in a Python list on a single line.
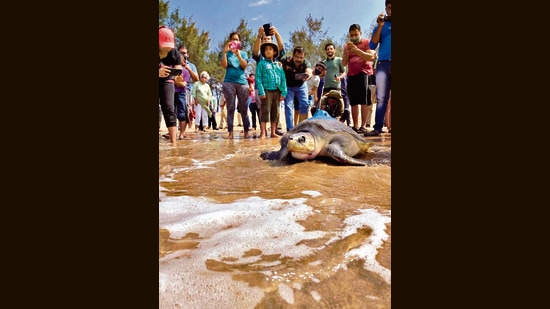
[(358, 90), (372, 79)]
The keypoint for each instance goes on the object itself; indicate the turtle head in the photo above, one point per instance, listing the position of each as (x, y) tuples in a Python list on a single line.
[(302, 145)]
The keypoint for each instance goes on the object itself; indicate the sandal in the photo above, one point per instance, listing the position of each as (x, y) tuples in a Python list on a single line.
[(166, 136), (362, 130)]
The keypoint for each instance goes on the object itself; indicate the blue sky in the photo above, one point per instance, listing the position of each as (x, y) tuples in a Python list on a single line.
[(220, 17)]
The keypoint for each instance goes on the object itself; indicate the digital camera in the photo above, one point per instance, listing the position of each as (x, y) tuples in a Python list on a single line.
[(386, 18), (266, 28), (235, 45)]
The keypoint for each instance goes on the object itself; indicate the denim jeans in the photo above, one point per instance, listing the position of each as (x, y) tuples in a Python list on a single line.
[(301, 93), (383, 86), (180, 101)]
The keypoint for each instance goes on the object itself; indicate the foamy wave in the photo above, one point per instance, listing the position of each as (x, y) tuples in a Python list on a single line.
[(227, 231)]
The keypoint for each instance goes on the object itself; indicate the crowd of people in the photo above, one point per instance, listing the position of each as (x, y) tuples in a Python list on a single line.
[(345, 87)]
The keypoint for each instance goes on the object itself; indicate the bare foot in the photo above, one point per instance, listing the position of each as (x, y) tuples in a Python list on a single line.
[(230, 135), (246, 135), (262, 136), (274, 135)]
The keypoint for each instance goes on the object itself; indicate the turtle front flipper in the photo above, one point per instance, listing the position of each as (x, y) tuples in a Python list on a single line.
[(274, 155), (336, 152), (280, 154)]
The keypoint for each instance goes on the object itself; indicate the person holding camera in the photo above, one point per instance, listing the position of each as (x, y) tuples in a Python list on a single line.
[(267, 37), (235, 85), (271, 87), (381, 39), (358, 57), (169, 58), (194, 77), (188, 65), (297, 71)]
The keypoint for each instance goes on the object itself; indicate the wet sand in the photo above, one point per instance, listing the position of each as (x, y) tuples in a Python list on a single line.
[(236, 231)]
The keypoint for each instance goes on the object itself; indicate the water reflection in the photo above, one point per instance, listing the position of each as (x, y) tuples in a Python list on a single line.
[(236, 231)]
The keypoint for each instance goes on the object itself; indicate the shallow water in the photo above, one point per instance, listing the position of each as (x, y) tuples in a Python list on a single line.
[(236, 231)]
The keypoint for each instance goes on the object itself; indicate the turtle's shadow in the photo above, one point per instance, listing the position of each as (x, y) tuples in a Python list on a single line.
[(318, 160)]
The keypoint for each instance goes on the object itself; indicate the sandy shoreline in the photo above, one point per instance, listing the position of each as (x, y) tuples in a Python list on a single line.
[(238, 129)]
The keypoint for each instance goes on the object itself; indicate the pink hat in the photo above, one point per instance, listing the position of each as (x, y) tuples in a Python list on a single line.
[(166, 37)]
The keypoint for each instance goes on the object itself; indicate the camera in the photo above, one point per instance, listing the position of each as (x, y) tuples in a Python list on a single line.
[(235, 45), (266, 28), (386, 18), (174, 72)]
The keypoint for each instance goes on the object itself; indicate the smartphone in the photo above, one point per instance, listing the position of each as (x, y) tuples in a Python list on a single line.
[(174, 72), (300, 76), (235, 45), (266, 28)]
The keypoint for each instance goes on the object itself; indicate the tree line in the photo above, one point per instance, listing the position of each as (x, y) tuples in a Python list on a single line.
[(311, 36)]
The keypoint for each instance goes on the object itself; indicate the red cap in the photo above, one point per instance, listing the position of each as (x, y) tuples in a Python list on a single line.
[(166, 37)]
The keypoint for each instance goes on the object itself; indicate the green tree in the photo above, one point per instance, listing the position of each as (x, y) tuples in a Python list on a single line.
[(312, 38), (187, 33), (163, 12)]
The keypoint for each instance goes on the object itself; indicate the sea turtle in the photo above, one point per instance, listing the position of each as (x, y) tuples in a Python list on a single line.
[(322, 136)]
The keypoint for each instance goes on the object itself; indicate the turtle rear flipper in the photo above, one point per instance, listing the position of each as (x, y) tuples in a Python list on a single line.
[(336, 152)]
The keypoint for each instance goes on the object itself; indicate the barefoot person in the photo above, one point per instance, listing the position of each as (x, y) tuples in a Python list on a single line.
[(169, 58), (271, 82), (235, 85)]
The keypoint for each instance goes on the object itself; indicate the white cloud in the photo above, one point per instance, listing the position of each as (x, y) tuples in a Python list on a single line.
[(258, 3), (259, 17)]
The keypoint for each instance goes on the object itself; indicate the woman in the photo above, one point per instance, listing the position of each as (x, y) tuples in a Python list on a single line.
[(202, 94), (235, 85), (169, 58)]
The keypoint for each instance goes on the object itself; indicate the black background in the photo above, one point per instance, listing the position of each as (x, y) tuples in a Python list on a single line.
[(81, 151)]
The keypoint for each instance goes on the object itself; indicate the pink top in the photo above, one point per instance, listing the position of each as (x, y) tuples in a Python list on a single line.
[(356, 64)]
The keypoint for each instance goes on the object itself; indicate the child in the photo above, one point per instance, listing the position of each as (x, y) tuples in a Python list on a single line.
[(270, 78), (202, 95)]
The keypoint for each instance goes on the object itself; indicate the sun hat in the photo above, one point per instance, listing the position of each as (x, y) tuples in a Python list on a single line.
[(335, 94), (322, 65), (166, 37), (275, 48)]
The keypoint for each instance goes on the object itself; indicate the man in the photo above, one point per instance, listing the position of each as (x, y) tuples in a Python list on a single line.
[(335, 78), (296, 85), (381, 38), (189, 66), (358, 57), (335, 70), (314, 82)]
